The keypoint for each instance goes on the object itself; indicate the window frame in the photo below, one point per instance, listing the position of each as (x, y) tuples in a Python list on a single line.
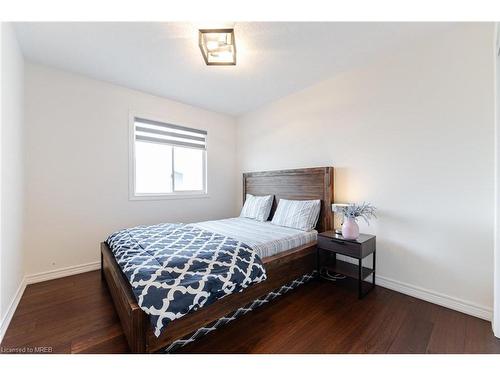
[(133, 195)]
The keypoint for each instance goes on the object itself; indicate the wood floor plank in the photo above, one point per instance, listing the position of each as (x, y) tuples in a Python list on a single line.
[(412, 337), (384, 325), (479, 338), (448, 336), (76, 315)]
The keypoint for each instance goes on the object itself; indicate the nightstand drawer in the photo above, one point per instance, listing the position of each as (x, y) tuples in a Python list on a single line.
[(342, 247)]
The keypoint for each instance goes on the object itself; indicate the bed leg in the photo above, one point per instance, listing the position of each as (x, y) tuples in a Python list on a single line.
[(102, 267)]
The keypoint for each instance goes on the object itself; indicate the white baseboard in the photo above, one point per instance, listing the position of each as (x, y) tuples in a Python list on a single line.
[(453, 303), (62, 272), (4, 324)]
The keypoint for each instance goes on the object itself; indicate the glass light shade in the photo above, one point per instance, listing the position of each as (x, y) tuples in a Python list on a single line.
[(218, 46)]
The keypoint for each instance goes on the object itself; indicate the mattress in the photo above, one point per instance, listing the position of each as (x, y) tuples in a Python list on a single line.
[(265, 238)]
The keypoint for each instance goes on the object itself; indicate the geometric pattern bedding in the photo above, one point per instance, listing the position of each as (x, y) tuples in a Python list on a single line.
[(176, 268)]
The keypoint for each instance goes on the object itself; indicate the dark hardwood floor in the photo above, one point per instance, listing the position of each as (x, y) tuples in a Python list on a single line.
[(75, 315)]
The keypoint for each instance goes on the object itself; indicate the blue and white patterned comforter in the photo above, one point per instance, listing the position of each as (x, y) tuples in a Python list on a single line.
[(177, 268)]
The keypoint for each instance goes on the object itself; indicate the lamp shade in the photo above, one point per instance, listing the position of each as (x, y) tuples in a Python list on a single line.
[(337, 207)]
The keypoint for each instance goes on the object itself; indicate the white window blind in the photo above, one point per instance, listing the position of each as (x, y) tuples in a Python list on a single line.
[(170, 134), (167, 160)]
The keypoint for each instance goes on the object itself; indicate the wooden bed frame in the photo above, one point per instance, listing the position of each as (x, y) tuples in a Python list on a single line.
[(307, 183)]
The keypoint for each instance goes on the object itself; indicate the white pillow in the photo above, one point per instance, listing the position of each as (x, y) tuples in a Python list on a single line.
[(256, 207), (301, 215)]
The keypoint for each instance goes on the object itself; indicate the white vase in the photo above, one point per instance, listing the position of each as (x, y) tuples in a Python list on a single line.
[(350, 229)]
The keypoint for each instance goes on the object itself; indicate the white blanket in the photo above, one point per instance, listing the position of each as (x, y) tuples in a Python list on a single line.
[(265, 238)]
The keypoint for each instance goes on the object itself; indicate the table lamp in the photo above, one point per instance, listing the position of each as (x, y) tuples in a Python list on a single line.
[(337, 209)]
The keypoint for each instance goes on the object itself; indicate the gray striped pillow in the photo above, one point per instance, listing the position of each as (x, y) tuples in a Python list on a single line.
[(257, 208), (301, 215)]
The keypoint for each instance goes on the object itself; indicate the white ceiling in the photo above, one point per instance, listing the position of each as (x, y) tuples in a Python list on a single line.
[(274, 59)]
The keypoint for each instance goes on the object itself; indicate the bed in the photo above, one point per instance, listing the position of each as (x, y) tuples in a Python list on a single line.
[(281, 266)]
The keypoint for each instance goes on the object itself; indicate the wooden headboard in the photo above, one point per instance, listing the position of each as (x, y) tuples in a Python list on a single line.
[(304, 183)]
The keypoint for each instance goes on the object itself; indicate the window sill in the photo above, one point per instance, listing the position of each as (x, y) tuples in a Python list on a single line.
[(159, 197)]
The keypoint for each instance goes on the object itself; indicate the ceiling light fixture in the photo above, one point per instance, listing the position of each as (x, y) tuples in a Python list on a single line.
[(218, 46)]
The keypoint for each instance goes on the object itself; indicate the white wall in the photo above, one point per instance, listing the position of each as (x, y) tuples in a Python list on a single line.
[(12, 173), (496, 286), (412, 134), (77, 166)]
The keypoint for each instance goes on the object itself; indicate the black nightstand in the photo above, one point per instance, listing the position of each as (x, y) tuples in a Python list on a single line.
[(331, 244)]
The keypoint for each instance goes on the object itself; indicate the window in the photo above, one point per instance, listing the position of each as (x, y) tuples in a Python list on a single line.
[(167, 160)]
